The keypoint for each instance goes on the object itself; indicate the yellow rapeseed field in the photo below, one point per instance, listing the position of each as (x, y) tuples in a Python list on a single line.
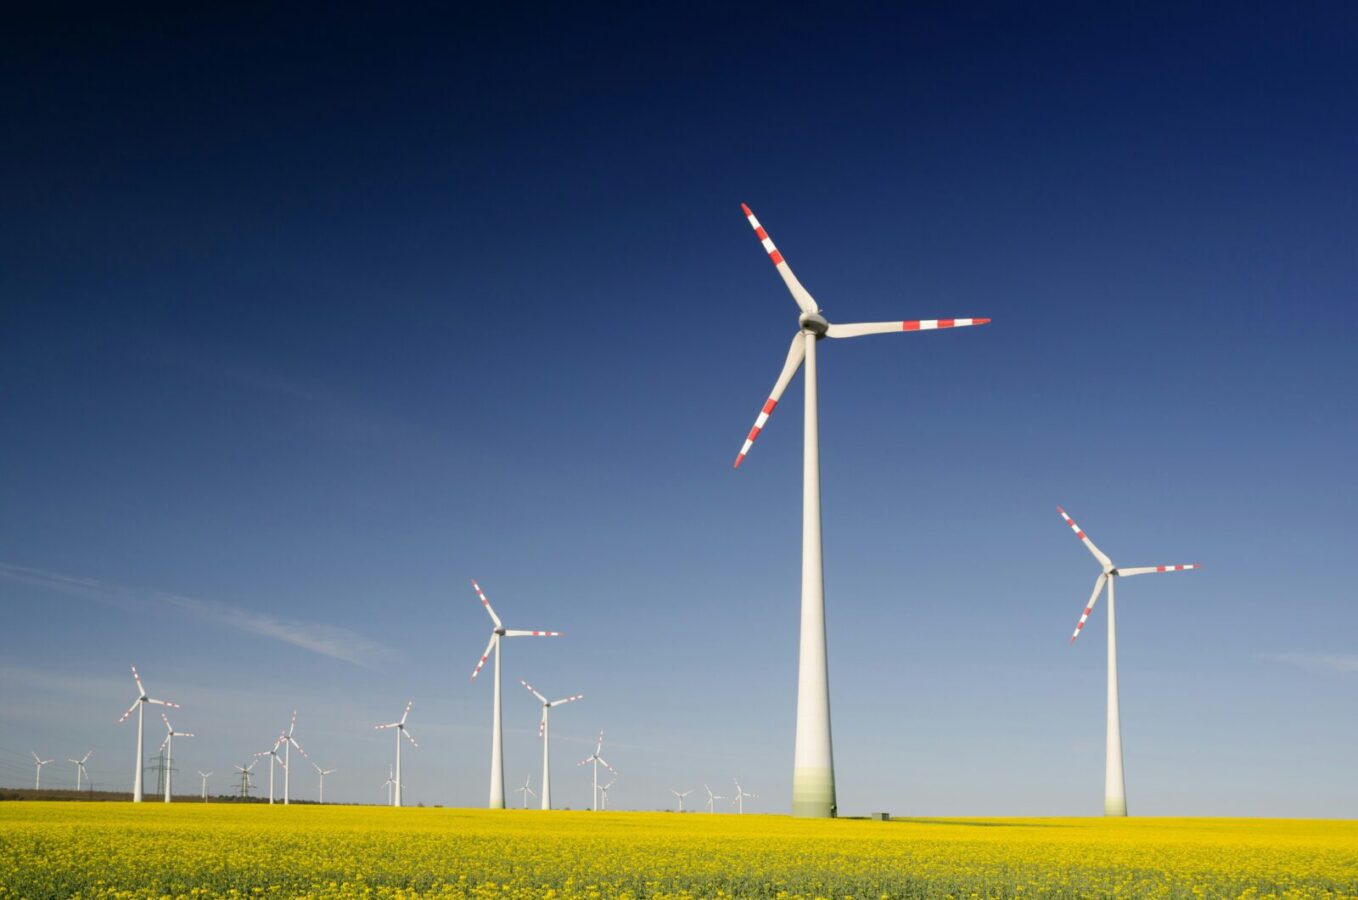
[(188, 849)]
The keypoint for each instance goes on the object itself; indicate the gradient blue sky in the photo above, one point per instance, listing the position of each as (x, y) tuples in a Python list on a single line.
[(309, 320)]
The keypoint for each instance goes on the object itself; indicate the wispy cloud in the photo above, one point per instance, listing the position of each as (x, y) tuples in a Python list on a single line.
[(326, 640), (1315, 662)]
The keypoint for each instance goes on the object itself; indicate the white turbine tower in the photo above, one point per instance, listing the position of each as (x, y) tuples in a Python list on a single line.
[(680, 796), (813, 776), (597, 760), (389, 783), (400, 727), (322, 773), (168, 746), (1114, 785), (739, 800), (497, 760), (526, 790), (274, 759), (139, 707), (712, 799), (544, 732), (288, 743), (38, 763), (603, 791), (205, 776), (80, 769)]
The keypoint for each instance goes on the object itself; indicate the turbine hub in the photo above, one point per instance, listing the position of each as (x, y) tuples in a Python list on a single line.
[(500, 632), (814, 323)]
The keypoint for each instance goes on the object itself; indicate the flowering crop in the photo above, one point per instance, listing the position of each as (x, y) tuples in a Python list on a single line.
[(185, 849)]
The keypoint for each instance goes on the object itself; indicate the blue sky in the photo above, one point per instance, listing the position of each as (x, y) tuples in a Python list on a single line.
[(309, 321)]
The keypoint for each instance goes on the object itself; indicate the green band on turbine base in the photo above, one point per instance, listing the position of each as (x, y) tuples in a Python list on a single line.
[(813, 793)]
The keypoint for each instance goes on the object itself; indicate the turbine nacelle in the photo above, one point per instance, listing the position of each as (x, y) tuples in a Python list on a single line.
[(814, 323)]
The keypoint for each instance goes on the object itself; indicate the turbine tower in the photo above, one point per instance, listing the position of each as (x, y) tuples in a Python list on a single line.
[(400, 727), (80, 769), (526, 790), (168, 746), (1114, 784), (288, 743), (497, 759), (38, 763), (544, 732), (712, 799), (274, 759), (739, 800), (205, 776), (813, 776), (597, 760), (680, 796), (603, 791), (139, 706), (389, 783), (322, 773)]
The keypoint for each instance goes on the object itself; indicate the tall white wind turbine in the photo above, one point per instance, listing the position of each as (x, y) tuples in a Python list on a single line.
[(38, 763), (598, 760), (80, 769), (813, 776), (739, 800), (680, 796), (139, 707), (288, 743), (544, 732), (526, 790), (1114, 784), (274, 759), (205, 776), (400, 727), (321, 773), (168, 746), (497, 760), (712, 799)]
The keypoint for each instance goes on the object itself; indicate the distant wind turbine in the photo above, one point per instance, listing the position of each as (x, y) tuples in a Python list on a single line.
[(680, 796), (497, 760), (526, 790), (400, 727), (80, 769), (168, 746), (139, 706), (739, 800), (1114, 785), (544, 732), (39, 762), (712, 799), (205, 776), (322, 773), (603, 792), (288, 743), (274, 759), (813, 777), (597, 760), (389, 783)]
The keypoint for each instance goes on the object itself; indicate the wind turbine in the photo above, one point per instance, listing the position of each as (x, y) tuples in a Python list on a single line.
[(389, 784), (205, 776), (168, 746), (245, 782), (813, 776), (140, 708), (288, 743), (544, 732), (80, 769), (526, 790), (739, 800), (1114, 785), (274, 758), (603, 791), (712, 799), (497, 760), (322, 773), (681, 796), (39, 762), (400, 730), (597, 759)]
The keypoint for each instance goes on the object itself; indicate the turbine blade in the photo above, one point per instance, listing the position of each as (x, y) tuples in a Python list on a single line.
[(1089, 607), (141, 691), (521, 633), (130, 710), (1148, 570), (407, 712), (490, 645), (388, 725), (162, 703), (486, 603), (531, 688), (599, 747), (293, 724), (1098, 554), (409, 738), (795, 354), (586, 761), (567, 700), (799, 293), (861, 328), (542, 723)]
